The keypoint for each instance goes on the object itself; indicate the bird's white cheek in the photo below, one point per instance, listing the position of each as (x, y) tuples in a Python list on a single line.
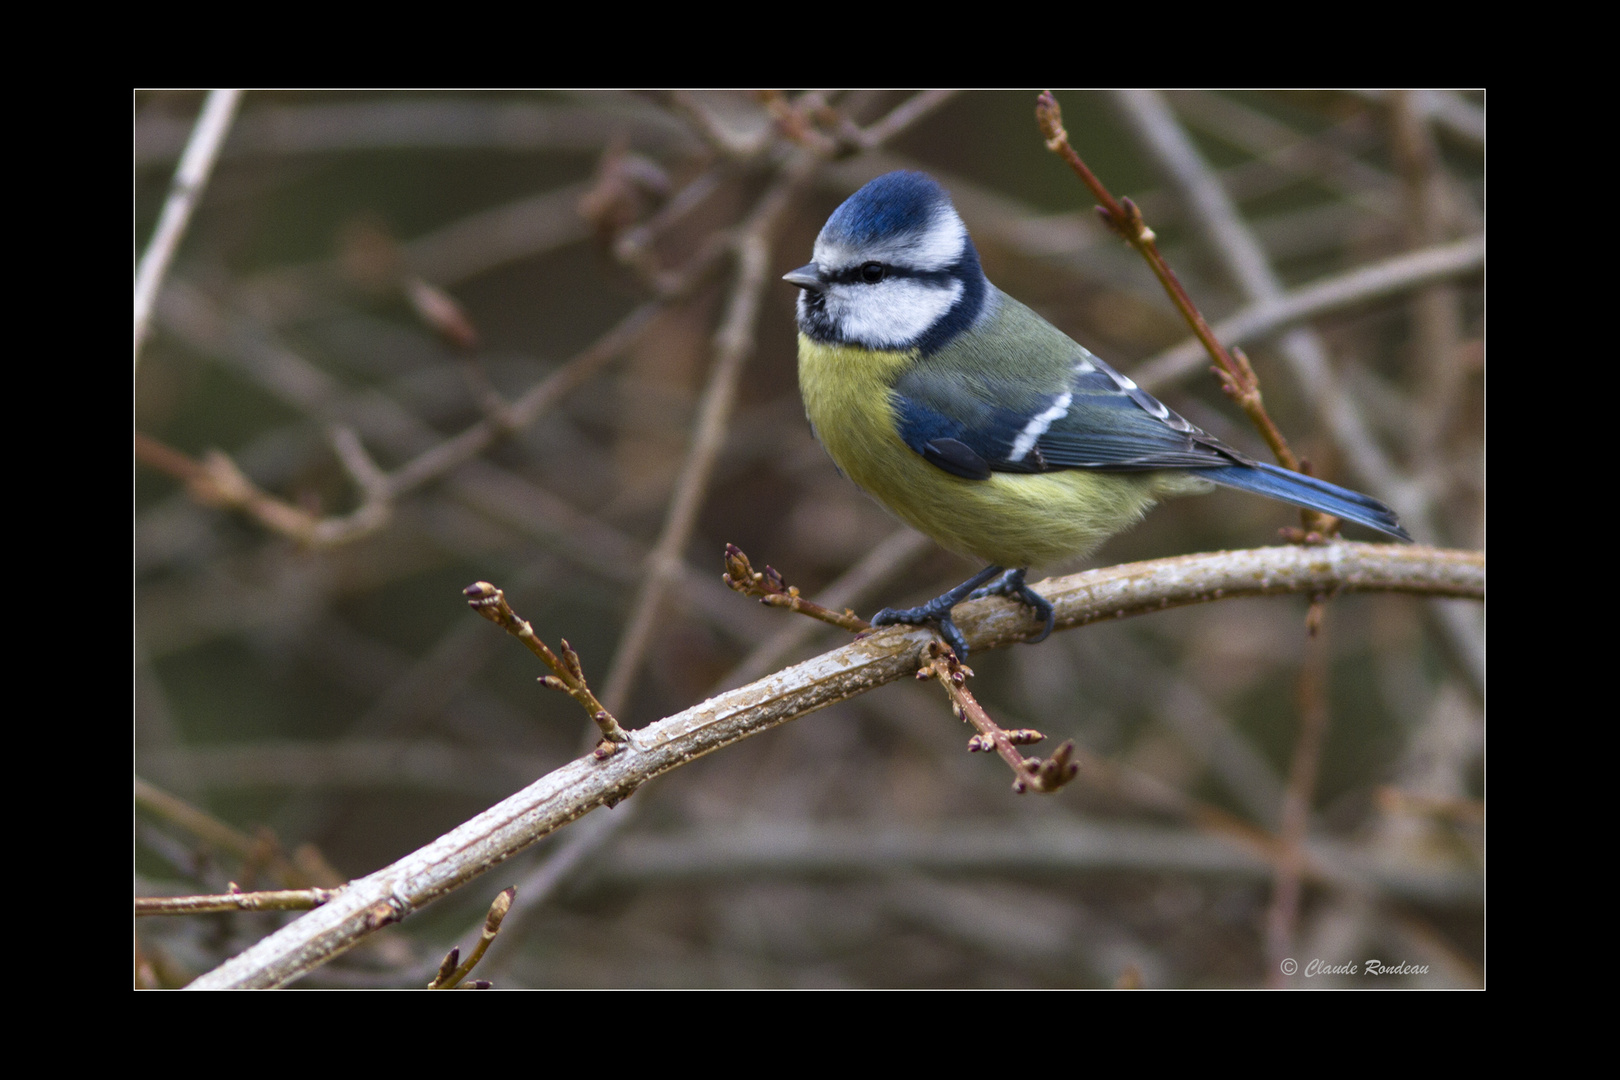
[(891, 314)]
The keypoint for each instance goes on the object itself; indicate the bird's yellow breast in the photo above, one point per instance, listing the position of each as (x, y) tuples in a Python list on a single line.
[(1011, 519)]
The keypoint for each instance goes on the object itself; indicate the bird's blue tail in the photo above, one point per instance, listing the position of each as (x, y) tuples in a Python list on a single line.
[(1309, 492)]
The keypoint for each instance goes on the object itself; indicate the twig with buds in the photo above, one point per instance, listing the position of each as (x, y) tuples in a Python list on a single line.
[(775, 592), (569, 677), (453, 976), (1033, 774)]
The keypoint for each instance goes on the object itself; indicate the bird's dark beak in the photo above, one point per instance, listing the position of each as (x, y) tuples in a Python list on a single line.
[(807, 276)]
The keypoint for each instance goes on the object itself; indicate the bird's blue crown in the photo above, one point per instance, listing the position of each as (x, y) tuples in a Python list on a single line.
[(892, 205)]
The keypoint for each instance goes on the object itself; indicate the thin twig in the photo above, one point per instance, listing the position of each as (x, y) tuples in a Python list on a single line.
[(773, 591), (451, 974), (568, 676), (876, 568), (1029, 773), (190, 177), (274, 900)]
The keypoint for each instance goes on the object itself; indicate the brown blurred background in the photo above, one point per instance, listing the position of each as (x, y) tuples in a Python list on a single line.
[(500, 315)]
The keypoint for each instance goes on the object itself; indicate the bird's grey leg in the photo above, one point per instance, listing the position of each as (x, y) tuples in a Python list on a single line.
[(938, 610), (1011, 585)]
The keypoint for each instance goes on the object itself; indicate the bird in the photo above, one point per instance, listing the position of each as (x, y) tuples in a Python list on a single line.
[(980, 424)]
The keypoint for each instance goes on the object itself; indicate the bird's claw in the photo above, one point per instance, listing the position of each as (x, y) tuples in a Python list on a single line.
[(1011, 585), (938, 610), (927, 613)]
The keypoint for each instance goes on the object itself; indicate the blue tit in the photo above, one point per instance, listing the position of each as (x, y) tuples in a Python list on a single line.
[(979, 423)]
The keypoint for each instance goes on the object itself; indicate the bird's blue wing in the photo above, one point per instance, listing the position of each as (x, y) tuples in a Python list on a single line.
[(1100, 420), (970, 437), (1113, 424), (1092, 418)]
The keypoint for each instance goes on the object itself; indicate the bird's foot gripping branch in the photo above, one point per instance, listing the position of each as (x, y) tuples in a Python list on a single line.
[(939, 663)]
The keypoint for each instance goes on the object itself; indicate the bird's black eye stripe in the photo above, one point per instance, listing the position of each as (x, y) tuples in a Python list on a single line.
[(871, 272)]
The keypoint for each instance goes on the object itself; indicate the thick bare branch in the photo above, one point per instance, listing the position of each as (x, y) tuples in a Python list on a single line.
[(893, 653)]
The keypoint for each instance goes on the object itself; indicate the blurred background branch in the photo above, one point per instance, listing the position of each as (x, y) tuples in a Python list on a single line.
[(539, 339)]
